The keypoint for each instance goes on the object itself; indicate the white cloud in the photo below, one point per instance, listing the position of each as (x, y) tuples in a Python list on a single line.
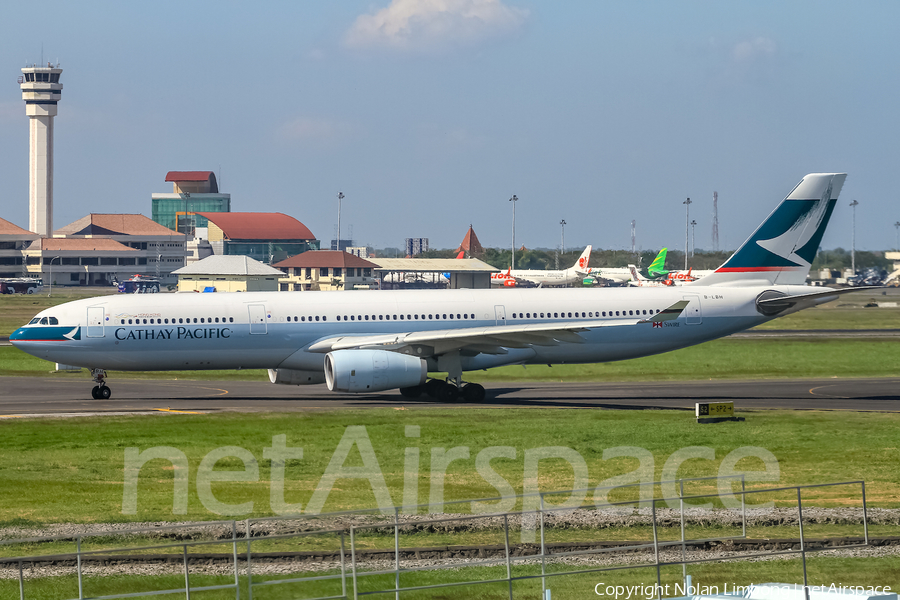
[(304, 129), (759, 48), (434, 24)]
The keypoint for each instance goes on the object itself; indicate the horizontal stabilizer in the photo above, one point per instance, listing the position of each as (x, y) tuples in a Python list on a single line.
[(774, 303), (669, 314)]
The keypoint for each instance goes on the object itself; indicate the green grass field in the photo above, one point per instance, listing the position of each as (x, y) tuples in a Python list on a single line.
[(71, 470)]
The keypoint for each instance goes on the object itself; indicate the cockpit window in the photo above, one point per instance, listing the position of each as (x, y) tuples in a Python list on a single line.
[(33, 321), (44, 321), (54, 321)]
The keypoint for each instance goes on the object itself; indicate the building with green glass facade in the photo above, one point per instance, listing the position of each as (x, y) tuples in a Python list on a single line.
[(193, 192)]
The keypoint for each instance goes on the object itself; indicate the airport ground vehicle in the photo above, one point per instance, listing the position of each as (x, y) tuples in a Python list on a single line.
[(21, 285), (139, 284)]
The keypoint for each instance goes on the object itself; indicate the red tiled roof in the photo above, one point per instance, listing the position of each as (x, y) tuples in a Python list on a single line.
[(470, 244), (259, 226), (115, 224), (325, 258), (188, 175), (83, 244), (7, 228)]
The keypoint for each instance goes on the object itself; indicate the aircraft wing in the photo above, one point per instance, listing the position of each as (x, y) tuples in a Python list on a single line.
[(488, 340)]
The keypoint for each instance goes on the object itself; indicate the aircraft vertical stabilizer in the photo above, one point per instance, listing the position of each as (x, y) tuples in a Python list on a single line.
[(782, 249)]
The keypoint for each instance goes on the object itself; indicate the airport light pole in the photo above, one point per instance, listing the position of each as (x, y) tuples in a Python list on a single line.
[(693, 231), (514, 199), (687, 218), (897, 227), (563, 225), (853, 239), (50, 275), (340, 198)]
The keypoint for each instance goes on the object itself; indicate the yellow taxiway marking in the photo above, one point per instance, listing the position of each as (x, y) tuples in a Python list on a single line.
[(184, 412)]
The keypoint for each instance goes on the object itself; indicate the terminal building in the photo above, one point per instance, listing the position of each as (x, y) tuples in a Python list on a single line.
[(266, 237), (193, 192), (100, 248)]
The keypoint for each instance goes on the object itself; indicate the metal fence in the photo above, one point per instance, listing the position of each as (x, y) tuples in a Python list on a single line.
[(355, 578)]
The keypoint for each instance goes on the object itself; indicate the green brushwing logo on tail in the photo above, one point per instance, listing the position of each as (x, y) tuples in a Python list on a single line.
[(658, 267)]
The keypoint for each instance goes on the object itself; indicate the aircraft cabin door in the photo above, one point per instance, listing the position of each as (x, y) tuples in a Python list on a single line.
[(500, 314), (95, 317), (694, 312), (258, 319)]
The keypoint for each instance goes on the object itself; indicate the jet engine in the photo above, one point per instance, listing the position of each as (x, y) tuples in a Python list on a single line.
[(372, 370), (295, 377)]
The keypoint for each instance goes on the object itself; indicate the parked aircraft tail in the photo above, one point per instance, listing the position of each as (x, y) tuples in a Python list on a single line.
[(782, 249), (581, 265), (658, 267)]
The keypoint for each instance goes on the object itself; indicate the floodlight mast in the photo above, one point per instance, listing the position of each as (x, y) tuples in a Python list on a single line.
[(687, 219), (853, 205), (514, 199)]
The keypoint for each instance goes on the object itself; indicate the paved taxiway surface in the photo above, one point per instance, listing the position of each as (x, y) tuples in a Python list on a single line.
[(60, 395)]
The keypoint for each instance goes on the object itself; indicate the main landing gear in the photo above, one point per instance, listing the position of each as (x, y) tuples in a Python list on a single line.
[(445, 391), (101, 391)]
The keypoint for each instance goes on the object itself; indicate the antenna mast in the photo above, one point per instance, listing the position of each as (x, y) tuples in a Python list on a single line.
[(715, 230), (632, 235)]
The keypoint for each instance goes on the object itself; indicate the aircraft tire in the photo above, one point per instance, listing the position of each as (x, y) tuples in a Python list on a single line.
[(104, 393), (448, 393), (95, 392), (433, 387), (473, 392), (411, 392)]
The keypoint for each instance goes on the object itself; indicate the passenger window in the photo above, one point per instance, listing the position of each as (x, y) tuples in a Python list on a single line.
[(317, 318), (401, 317), (367, 317), (445, 316), (631, 312), (201, 319), (570, 315), (129, 321), (381, 317), (407, 317), (231, 319), (429, 316), (465, 316)]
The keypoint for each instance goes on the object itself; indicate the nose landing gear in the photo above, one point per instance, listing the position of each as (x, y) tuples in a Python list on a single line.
[(100, 391)]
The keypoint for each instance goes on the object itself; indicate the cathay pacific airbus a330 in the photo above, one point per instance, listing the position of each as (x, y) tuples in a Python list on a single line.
[(369, 341)]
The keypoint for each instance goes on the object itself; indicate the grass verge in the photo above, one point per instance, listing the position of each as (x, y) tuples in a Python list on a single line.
[(72, 470)]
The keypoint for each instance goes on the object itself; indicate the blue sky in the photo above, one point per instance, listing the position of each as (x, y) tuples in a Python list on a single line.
[(429, 114)]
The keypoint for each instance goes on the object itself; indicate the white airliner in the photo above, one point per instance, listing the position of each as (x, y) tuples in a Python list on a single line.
[(515, 278), (369, 341)]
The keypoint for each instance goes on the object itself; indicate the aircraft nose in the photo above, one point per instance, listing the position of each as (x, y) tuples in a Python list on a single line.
[(18, 334)]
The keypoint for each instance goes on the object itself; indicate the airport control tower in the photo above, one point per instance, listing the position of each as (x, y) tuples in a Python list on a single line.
[(41, 91)]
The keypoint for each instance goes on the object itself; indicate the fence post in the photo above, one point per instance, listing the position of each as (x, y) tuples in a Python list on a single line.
[(249, 572), (237, 586), (802, 544), (743, 505), (865, 513), (78, 558), (683, 549), (343, 568), (656, 550), (508, 569), (397, 553), (353, 561), (187, 579), (543, 549), (21, 583)]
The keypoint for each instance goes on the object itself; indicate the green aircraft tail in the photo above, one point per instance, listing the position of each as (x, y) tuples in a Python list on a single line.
[(658, 267)]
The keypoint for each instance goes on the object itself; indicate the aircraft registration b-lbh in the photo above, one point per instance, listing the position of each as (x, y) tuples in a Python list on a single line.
[(370, 341)]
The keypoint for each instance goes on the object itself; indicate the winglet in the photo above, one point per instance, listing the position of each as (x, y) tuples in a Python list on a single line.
[(668, 314)]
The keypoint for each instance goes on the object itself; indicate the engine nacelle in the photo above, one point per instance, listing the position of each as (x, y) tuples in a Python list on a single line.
[(372, 371), (295, 377)]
